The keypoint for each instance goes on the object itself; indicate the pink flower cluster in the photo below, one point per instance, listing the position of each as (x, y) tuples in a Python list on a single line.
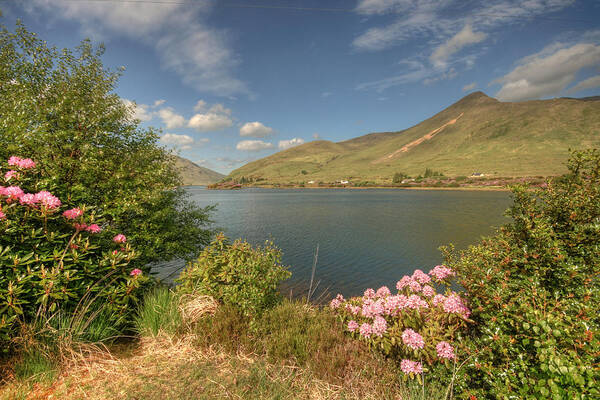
[(445, 350), (135, 272), (412, 339), (441, 272), (73, 213), (337, 301), (409, 366), (11, 174), (120, 238), (352, 325), (455, 305), (24, 163), (43, 198)]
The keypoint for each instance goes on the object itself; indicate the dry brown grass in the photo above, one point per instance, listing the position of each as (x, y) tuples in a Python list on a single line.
[(192, 307), (167, 367)]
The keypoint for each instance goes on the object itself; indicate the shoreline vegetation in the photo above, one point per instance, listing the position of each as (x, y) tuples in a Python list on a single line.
[(87, 204), (460, 183)]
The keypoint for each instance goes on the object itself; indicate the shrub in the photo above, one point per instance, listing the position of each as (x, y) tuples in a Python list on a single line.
[(56, 256), (535, 292), (236, 274), (60, 108), (415, 326)]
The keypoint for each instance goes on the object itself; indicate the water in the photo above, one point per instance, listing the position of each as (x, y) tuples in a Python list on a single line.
[(366, 238)]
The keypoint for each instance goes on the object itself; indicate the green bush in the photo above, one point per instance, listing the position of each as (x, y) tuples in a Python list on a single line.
[(236, 274), (535, 292), (57, 257)]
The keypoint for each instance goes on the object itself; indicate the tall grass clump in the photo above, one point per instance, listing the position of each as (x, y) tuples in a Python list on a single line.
[(159, 312)]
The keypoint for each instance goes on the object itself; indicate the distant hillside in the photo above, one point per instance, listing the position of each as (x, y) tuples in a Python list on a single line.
[(193, 174), (475, 134)]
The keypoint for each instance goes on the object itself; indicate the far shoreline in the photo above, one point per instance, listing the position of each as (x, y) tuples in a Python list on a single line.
[(464, 188)]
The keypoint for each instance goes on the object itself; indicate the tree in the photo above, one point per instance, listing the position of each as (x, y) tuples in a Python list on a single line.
[(59, 107)]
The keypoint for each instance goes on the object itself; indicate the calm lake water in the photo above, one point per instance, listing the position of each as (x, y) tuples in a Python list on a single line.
[(366, 238)]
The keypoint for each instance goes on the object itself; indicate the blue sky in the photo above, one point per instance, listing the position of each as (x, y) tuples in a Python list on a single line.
[(230, 81)]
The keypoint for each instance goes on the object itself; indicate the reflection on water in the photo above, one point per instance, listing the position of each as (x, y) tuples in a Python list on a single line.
[(366, 238)]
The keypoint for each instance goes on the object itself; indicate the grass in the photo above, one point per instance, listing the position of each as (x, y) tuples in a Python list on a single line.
[(502, 139), (158, 313), (188, 349)]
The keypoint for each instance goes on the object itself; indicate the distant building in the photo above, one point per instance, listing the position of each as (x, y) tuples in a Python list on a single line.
[(344, 182), (311, 182), (478, 174)]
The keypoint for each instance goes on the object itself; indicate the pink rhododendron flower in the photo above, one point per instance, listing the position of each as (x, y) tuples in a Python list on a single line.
[(369, 294), (366, 330), (379, 326), (441, 272), (27, 198), (383, 291), (26, 163), (412, 339), (414, 286), (428, 291), (409, 366), (415, 302), (73, 213), (47, 200), (337, 301), (93, 228), (372, 308), (405, 281), (135, 272), (439, 299), (454, 304), (13, 192), (80, 227), (10, 174), (353, 309), (393, 304), (445, 350), (352, 325), (115, 252), (421, 277), (120, 238)]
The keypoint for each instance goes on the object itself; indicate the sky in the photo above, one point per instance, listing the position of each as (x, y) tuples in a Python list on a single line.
[(231, 81)]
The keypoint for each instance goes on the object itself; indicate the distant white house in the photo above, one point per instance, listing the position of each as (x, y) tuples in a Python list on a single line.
[(477, 174), (311, 182), (344, 182)]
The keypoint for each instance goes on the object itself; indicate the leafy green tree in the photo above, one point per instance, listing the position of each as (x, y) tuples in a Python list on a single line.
[(59, 107)]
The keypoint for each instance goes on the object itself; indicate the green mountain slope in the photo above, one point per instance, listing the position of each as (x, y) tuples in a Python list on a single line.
[(193, 174), (475, 134)]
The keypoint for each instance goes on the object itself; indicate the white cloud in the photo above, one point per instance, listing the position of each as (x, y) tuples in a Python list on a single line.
[(170, 118), (439, 19), (470, 86), (463, 38), (286, 144), (209, 122), (200, 106), (255, 129), (140, 111), (589, 83), (185, 44), (547, 73), (159, 102), (253, 145), (369, 7), (418, 73), (183, 142)]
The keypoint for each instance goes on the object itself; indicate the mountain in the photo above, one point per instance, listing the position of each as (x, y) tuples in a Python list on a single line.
[(193, 174), (476, 134)]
